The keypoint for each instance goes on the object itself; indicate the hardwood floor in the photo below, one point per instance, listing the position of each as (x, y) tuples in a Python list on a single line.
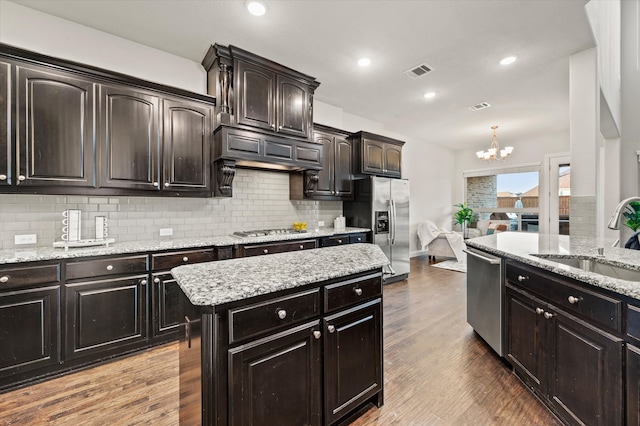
[(437, 372)]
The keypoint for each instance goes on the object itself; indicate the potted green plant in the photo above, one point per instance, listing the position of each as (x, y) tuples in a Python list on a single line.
[(632, 215), (464, 216)]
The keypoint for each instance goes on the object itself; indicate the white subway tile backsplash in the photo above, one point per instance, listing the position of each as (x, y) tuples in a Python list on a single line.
[(261, 200)]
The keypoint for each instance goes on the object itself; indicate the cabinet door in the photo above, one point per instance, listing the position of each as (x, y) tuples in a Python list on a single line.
[(276, 380), (586, 373), (392, 160), (129, 139), (5, 124), (526, 337), (293, 107), (343, 173), (104, 315), (29, 329), (169, 306), (372, 157), (186, 144), (55, 131), (325, 185), (255, 96), (633, 385), (352, 358)]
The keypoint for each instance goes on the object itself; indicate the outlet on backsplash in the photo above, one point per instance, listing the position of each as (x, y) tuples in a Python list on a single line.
[(25, 239), (165, 232)]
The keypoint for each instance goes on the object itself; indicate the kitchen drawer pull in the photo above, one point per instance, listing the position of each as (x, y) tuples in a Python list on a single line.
[(573, 300), (522, 278), (331, 329), (265, 251), (317, 334), (155, 184), (143, 282), (549, 315), (4, 279), (156, 280), (539, 311), (359, 238), (490, 260), (3, 177), (185, 259), (166, 184), (21, 178), (301, 247), (109, 267), (339, 241), (358, 291), (282, 314)]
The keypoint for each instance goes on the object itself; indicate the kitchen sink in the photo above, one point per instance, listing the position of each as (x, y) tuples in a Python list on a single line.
[(596, 266)]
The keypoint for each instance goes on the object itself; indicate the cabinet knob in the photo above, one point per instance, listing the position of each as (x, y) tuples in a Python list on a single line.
[(549, 315), (359, 239), (331, 329), (280, 127), (539, 311), (265, 251), (21, 178), (522, 278), (317, 334), (573, 300), (155, 184), (185, 259), (3, 177), (156, 280), (282, 314), (4, 279), (273, 126), (166, 184), (143, 282), (109, 267), (301, 247), (358, 291), (339, 241)]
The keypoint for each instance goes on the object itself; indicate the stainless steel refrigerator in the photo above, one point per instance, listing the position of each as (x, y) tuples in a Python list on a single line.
[(382, 205)]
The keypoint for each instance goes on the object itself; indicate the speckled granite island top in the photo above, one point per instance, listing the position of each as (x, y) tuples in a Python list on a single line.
[(523, 247), (49, 253), (216, 283)]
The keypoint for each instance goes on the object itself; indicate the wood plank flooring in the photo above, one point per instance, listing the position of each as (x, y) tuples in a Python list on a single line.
[(437, 372)]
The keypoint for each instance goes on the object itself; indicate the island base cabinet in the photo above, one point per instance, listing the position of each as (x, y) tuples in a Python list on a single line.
[(275, 381), (633, 385), (352, 359)]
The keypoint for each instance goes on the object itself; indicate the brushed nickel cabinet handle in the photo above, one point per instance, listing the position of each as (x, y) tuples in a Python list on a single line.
[(573, 300), (358, 291), (143, 282), (3, 177), (539, 311), (166, 184), (156, 280), (21, 178), (548, 315), (282, 314), (317, 334), (4, 279), (331, 329), (339, 241), (265, 251), (185, 259), (109, 267), (155, 184), (301, 247), (522, 278)]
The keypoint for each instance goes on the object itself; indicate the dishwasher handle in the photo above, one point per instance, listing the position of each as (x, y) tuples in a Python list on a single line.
[(490, 260)]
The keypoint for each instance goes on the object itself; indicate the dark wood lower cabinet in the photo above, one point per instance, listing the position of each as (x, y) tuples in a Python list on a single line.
[(352, 359), (276, 380), (105, 315), (169, 306), (29, 330), (633, 385)]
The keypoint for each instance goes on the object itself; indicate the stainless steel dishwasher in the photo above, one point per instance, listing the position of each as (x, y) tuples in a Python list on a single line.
[(485, 289)]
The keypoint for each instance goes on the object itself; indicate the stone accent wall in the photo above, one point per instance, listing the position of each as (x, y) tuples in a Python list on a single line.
[(482, 192), (260, 201)]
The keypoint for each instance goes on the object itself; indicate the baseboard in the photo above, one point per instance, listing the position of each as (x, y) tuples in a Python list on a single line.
[(418, 253)]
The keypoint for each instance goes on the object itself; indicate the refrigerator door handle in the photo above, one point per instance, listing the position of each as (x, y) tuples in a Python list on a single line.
[(393, 221)]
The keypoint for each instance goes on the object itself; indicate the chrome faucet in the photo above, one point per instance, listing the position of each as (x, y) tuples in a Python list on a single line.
[(614, 222)]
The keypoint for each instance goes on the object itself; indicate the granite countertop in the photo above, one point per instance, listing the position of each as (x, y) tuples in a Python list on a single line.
[(522, 246), (216, 283), (49, 253)]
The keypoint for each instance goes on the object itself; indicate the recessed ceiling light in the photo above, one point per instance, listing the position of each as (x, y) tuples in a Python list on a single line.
[(257, 8), (508, 60), (364, 62), (430, 95)]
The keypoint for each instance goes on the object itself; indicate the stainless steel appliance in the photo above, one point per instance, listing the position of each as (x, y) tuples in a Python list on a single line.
[(485, 311), (382, 205), (263, 232)]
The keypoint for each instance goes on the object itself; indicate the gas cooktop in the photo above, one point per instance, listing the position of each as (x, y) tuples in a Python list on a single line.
[(264, 232)]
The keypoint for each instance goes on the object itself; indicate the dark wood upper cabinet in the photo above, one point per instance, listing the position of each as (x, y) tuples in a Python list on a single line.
[(186, 145), (129, 138), (255, 99), (5, 124), (293, 107), (55, 131), (377, 155)]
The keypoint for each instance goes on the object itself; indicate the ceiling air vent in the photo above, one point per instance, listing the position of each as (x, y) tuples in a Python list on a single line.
[(419, 71), (478, 107)]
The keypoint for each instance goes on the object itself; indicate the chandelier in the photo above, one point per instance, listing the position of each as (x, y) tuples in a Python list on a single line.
[(494, 152)]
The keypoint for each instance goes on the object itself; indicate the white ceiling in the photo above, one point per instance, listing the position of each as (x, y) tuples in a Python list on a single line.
[(462, 40)]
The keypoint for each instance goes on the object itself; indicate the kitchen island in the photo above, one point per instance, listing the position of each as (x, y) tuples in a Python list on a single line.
[(290, 338), (571, 322)]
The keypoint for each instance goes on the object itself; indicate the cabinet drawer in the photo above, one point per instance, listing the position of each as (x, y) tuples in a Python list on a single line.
[(345, 293), (160, 261), (273, 314), (110, 266), (601, 309), (335, 240), (358, 238), (17, 277), (260, 249)]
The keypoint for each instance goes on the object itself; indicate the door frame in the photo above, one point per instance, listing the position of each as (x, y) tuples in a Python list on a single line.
[(551, 164)]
